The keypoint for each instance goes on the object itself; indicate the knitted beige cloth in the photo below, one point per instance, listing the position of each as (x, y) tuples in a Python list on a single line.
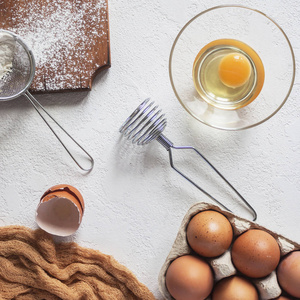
[(32, 266)]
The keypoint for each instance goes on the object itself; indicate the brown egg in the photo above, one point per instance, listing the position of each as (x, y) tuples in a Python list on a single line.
[(288, 274), (255, 253), (189, 278), (283, 298), (209, 233), (234, 288)]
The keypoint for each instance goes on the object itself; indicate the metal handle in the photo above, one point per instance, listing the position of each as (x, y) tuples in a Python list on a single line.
[(168, 145), (44, 114)]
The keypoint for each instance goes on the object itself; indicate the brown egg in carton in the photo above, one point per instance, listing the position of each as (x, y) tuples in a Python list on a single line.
[(222, 266)]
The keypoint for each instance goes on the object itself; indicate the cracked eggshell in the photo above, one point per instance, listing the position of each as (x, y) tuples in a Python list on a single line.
[(267, 287), (60, 210)]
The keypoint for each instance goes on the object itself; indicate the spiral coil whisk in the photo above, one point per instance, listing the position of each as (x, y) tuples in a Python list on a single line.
[(147, 123)]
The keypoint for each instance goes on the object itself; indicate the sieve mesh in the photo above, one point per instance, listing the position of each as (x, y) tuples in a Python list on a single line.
[(16, 81)]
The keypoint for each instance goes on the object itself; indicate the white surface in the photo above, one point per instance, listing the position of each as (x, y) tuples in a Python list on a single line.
[(134, 201)]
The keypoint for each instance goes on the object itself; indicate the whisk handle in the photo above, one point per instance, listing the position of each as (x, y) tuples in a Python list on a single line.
[(164, 141), (192, 182), (45, 115)]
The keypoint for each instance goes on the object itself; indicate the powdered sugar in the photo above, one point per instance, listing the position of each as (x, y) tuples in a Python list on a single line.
[(7, 50), (64, 36)]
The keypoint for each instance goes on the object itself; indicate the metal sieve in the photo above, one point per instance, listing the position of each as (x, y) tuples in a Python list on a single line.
[(147, 123), (17, 81)]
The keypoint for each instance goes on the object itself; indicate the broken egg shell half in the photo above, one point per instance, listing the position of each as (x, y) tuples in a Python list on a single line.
[(60, 210)]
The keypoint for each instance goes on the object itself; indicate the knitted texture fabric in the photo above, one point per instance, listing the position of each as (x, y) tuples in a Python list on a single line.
[(33, 266)]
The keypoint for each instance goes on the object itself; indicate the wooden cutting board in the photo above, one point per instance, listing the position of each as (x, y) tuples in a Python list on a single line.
[(69, 40)]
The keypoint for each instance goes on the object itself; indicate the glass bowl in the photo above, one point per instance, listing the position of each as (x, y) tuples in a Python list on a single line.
[(248, 26)]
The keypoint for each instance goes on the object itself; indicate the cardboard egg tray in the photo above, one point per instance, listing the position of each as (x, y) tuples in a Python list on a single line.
[(222, 266)]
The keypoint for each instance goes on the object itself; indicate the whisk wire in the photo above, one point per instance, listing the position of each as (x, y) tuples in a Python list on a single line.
[(147, 122), (156, 131), (128, 123), (128, 128), (151, 129)]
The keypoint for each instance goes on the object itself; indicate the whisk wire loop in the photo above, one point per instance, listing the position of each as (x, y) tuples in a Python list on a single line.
[(148, 124), (155, 125), (155, 133), (126, 128)]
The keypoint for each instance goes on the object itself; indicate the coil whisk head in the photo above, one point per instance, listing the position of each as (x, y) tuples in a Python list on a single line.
[(145, 124)]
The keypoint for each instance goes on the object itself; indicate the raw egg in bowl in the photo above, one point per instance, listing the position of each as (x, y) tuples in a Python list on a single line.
[(232, 67)]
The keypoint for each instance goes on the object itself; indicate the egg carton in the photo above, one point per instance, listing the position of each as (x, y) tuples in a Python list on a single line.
[(222, 266)]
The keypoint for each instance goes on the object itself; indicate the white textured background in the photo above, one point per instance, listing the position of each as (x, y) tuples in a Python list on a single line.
[(134, 201)]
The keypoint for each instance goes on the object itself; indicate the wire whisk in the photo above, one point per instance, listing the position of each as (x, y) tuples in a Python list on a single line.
[(147, 123)]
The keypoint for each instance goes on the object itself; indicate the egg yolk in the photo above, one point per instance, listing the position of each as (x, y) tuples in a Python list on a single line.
[(234, 70)]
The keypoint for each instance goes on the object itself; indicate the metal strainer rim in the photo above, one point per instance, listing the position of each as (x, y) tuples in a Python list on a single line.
[(19, 40)]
